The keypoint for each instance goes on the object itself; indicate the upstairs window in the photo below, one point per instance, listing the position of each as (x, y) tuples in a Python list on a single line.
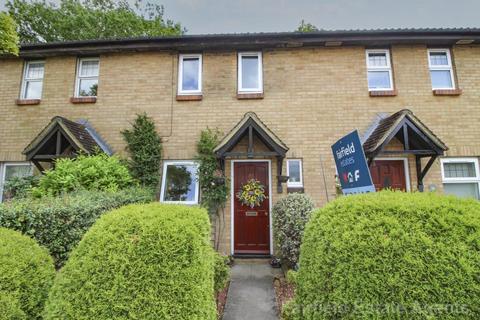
[(441, 73), (250, 79), (87, 77), (379, 70), (180, 182), (190, 74), (461, 177), (32, 83), (294, 173)]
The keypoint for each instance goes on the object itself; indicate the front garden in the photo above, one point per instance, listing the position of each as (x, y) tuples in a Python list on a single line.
[(87, 240), (388, 255)]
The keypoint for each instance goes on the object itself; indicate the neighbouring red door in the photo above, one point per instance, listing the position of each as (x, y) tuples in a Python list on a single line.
[(388, 174), (251, 225)]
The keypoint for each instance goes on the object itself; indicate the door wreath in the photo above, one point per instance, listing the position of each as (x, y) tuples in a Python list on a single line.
[(252, 193)]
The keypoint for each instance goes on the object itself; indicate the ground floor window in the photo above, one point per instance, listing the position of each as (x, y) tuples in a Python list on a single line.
[(461, 177), (10, 170), (180, 182), (294, 173)]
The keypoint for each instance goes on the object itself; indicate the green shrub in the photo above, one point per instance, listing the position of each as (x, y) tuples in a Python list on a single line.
[(97, 173), (10, 308), (290, 215), (222, 271), (19, 187), (26, 274), (59, 223), (150, 261), (145, 148), (391, 255)]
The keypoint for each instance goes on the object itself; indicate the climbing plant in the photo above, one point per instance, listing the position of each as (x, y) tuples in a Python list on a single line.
[(210, 176), (145, 148)]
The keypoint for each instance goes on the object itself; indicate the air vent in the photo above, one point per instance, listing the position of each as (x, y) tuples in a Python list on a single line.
[(465, 41)]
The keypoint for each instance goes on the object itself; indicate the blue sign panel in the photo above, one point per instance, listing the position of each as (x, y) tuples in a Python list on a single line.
[(352, 167)]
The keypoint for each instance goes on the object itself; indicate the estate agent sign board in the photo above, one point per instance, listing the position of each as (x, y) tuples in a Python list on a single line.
[(351, 165)]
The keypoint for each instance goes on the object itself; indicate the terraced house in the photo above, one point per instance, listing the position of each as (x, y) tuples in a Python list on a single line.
[(281, 99)]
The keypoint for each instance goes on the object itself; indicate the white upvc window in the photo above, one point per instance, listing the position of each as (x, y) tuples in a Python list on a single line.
[(250, 77), (190, 74), (87, 77), (294, 173), (461, 177), (441, 71), (379, 70), (9, 170), (180, 182), (32, 84)]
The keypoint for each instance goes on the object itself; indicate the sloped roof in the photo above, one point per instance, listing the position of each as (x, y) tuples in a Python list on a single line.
[(390, 124), (430, 36), (240, 128), (80, 134)]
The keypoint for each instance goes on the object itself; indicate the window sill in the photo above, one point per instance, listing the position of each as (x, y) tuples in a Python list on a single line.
[(447, 92), (77, 100), (189, 97), (383, 93), (244, 96), (27, 102), (295, 190)]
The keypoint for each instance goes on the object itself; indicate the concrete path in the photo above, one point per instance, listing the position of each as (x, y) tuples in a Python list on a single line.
[(251, 295)]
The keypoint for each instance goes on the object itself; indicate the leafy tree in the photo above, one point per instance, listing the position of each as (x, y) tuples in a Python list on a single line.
[(8, 34), (42, 21), (306, 27), (145, 148)]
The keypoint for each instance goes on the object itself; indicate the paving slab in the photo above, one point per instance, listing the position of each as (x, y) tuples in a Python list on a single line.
[(251, 295)]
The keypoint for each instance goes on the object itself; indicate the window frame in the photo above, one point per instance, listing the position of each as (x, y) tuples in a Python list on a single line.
[(78, 77), (3, 173), (181, 58), (167, 163), (259, 55), (461, 179), (25, 80), (295, 184), (387, 68), (448, 67)]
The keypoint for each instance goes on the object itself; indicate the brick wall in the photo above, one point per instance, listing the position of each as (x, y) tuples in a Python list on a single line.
[(312, 97)]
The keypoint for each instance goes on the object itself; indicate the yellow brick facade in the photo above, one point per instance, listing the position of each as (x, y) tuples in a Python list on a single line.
[(312, 97)]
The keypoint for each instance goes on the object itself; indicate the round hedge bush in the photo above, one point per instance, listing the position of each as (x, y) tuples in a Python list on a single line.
[(151, 261), (391, 255), (290, 215), (26, 275)]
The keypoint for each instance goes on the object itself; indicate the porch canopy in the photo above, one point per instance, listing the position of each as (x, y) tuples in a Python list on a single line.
[(252, 127), (64, 138), (417, 139)]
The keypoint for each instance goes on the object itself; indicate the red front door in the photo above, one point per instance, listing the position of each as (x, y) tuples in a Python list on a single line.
[(251, 225), (388, 174)]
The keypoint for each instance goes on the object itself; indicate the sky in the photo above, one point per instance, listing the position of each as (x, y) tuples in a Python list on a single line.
[(228, 16)]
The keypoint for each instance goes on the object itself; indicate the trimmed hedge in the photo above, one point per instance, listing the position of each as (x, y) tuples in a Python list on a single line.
[(391, 255), (26, 274), (290, 215), (59, 223), (222, 271), (151, 261)]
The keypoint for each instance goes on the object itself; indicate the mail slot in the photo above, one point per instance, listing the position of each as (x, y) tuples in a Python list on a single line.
[(251, 213)]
